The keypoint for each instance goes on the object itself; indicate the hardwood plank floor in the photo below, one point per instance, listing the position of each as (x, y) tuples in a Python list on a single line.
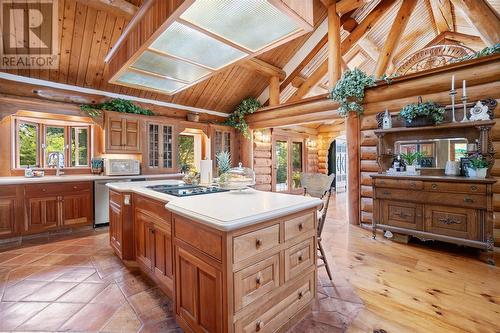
[(412, 287)]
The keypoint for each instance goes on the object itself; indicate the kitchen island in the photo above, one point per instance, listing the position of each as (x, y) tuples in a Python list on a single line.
[(231, 261)]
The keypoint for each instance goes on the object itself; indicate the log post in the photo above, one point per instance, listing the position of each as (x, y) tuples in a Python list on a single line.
[(274, 90), (353, 184), (334, 56)]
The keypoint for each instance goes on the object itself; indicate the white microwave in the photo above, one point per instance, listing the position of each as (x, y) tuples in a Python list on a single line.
[(121, 167)]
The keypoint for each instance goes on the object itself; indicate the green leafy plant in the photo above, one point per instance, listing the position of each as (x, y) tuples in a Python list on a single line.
[(223, 159), (411, 157), (388, 78), (237, 118), (428, 109), (350, 91), (478, 162), (117, 105), (483, 53)]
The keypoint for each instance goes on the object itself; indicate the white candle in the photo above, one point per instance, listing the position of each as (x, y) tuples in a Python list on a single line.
[(453, 82), (464, 93)]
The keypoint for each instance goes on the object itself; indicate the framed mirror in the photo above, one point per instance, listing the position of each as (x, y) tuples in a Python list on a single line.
[(436, 152)]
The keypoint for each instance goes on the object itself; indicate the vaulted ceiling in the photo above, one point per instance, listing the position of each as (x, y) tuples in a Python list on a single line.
[(88, 29)]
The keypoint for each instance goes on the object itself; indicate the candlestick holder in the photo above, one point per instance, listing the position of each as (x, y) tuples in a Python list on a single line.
[(453, 93), (464, 101)]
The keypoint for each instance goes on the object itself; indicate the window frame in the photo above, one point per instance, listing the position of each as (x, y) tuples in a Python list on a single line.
[(42, 125)]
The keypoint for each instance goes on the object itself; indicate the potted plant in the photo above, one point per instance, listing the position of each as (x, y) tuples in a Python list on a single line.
[(223, 159), (410, 158), (349, 91), (422, 114), (478, 166)]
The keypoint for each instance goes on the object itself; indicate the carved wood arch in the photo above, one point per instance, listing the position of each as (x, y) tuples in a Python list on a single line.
[(431, 57)]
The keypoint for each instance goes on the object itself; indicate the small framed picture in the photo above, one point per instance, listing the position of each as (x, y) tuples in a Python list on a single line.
[(464, 166)]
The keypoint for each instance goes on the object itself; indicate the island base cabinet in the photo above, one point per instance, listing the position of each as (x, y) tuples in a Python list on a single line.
[(198, 293), (153, 242)]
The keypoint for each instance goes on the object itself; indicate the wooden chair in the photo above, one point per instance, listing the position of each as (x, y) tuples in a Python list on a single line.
[(320, 186)]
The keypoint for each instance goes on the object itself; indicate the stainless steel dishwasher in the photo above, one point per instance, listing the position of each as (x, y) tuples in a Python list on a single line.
[(101, 201)]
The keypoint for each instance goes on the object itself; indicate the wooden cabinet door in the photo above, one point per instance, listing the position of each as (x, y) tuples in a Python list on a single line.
[(131, 135), (7, 217), (144, 239), (115, 227), (43, 213), (77, 208), (198, 292), (452, 221), (163, 258), (159, 147), (115, 133)]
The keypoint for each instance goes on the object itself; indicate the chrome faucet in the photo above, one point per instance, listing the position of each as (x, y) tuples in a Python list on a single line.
[(54, 161)]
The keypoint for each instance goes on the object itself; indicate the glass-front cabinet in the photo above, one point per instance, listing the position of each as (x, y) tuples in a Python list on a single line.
[(223, 138), (160, 147)]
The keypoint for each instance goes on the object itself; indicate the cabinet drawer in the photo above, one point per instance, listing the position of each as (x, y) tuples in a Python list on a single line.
[(298, 258), (203, 239), (404, 184), (402, 214), (297, 296), (57, 188), (452, 221), (252, 243), (8, 191), (153, 207), (455, 187), (254, 282), (299, 226)]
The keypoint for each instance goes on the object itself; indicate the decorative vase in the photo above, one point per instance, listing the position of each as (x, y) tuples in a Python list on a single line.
[(411, 169), (420, 121), (481, 173), (471, 173)]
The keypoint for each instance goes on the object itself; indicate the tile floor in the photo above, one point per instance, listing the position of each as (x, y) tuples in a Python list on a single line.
[(77, 284)]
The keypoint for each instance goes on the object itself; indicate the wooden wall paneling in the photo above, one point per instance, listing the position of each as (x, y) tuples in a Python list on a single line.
[(94, 74), (77, 42), (66, 39), (89, 57)]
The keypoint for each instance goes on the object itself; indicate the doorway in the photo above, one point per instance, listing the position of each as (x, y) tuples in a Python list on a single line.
[(288, 158), (337, 163)]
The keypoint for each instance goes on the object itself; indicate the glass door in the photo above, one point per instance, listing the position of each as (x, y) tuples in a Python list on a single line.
[(296, 163), (281, 167)]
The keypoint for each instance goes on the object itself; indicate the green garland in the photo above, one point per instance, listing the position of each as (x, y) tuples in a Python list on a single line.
[(237, 118), (350, 91), (483, 53), (430, 109), (117, 105)]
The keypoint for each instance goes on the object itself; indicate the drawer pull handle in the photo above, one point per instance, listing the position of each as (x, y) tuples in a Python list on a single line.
[(258, 325), (301, 226), (301, 294), (402, 215), (473, 188), (75, 187), (258, 280), (468, 200), (386, 193), (434, 186), (412, 184), (449, 221), (44, 190), (258, 243), (300, 257)]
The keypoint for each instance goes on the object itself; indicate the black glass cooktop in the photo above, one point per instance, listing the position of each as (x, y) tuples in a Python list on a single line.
[(186, 190)]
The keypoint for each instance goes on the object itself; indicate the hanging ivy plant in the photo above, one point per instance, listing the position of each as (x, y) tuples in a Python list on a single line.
[(350, 91), (117, 105), (237, 118)]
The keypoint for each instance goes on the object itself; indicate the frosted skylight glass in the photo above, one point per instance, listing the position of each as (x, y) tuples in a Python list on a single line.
[(170, 67), (187, 43), (252, 24), (147, 81)]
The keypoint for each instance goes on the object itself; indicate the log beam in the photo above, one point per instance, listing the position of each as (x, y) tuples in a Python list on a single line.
[(263, 68), (361, 30), (345, 6), (120, 8), (443, 16), (481, 16), (353, 165), (395, 34)]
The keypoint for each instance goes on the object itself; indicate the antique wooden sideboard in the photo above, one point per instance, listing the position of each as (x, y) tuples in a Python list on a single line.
[(433, 206)]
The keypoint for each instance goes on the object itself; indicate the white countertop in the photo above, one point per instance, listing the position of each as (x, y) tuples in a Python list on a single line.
[(77, 178), (227, 210)]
